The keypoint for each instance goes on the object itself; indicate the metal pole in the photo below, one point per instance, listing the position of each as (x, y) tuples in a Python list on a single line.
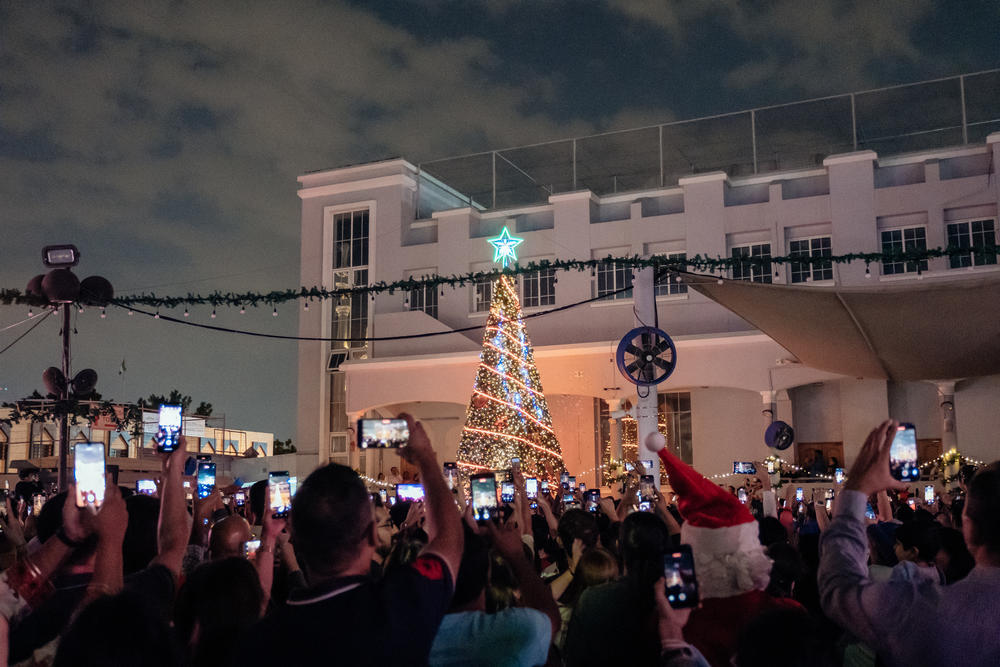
[(646, 406), (753, 138), (854, 123), (63, 478)]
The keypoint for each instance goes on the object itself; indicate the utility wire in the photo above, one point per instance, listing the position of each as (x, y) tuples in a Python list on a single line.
[(258, 334), (32, 328)]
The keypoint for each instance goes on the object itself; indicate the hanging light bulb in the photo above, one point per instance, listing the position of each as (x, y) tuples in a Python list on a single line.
[(130, 313), (157, 316), (274, 313), (30, 313), (305, 306), (213, 313), (868, 271), (80, 310), (242, 310), (104, 313), (186, 313)]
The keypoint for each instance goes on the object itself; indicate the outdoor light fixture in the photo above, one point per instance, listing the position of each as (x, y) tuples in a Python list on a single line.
[(60, 256)]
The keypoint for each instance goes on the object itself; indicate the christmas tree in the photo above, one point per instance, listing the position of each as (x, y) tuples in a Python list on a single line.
[(508, 416)]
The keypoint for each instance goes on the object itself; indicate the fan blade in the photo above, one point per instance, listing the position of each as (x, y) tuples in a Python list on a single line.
[(665, 365), (662, 346), (631, 368), (646, 340), (633, 350)]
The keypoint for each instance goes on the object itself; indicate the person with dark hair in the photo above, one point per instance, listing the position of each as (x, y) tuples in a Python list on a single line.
[(345, 615), (916, 548), (118, 630), (622, 608), (954, 559), (902, 619), (218, 603), (577, 530), (516, 635), (595, 566)]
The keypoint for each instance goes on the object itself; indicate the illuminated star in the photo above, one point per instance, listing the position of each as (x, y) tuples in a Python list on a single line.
[(503, 246)]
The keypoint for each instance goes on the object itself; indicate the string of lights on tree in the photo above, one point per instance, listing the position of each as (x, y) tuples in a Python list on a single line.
[(508, 416), (695, 264)]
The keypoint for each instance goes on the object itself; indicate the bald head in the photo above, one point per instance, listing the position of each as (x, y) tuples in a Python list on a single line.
[(228, 537)]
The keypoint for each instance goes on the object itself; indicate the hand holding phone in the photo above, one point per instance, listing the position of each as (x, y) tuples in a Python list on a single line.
[(170, 428), (88, 472), (903, 454), (484, 497), (383, 433), (279, 494), (681, 586)]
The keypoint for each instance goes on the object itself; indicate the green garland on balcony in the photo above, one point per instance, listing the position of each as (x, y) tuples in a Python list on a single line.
[(698, 264)]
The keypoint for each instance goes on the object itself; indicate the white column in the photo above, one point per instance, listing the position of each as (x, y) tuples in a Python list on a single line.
[(946, 399), (646, 405), (616, 413)]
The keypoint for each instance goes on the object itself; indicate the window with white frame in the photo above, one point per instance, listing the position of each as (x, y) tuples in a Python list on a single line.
[(902, 240), (538, 288), (482, 295), (424, 298), (350, 264), (667, 283), (752, 262), (612, 280), (975, 235), (814, 247)]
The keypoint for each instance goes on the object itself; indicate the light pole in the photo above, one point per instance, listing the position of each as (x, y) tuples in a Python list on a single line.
[(60, 287)]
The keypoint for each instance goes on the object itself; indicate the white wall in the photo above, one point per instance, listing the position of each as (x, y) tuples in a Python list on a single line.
[(917, 403), (977, 417), (816, 410), (864, 404), (726, 426), (575, 428)]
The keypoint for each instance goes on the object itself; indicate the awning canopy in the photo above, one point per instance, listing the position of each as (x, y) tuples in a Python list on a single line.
[(945, 328)]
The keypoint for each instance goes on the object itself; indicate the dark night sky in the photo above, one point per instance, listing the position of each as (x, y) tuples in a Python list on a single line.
[(164, 139)]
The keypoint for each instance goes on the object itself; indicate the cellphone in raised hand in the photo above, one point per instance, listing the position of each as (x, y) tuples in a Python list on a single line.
[(206, 478), (383, 433), (484, 497), (681, 586), (170, 428), (279, 494), (88, 472), (507, 492), (903, 454)]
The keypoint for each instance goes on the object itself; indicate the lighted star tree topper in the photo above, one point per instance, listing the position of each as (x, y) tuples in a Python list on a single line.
[(508, 416)]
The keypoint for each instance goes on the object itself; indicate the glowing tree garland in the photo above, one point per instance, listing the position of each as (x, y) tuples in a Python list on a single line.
[(508, 416)]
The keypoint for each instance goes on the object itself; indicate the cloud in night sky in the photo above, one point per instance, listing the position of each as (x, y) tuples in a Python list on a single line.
[(164, 138)]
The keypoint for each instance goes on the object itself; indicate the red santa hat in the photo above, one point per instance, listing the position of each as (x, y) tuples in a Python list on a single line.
[(729, 559)]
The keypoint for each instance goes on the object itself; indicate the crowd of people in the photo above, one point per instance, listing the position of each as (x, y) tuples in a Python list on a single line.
[(347, 579)]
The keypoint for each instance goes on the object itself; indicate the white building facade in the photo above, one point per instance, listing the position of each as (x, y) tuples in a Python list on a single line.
[(392, 220)]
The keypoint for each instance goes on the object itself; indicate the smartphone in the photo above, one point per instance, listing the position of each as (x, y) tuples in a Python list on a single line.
[(241, 498), (569, 501), (484, 497), (293, 485), (206, 478), (744, 468), (572, 482), (37, 501), (564, 477), (838, 475), (515, 463), (629, 466), (146, 487), (741, 493), (545, 485), (88, 472), (647, 464), (678, 577), (170, 428), (384, 495), (929, 494), (383, 433), (829, 494), (507, 492), (646, 486), (583, 486), (451, 474), (250, 548), (912, 502), (903, 454), (798, 494), (870, 511), (414, 492), (531, 487), (829, 504), (645, 505), (279, 494), (591, 500), (770, 467)]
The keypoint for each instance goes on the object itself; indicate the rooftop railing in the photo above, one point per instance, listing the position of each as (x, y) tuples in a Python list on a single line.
[(900, 119)]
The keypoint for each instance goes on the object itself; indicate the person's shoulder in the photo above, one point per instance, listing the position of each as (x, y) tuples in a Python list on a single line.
[(525, 618)]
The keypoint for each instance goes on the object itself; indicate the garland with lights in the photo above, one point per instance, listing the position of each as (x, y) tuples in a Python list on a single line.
[(697, 263), (508, 416), (127, 418)]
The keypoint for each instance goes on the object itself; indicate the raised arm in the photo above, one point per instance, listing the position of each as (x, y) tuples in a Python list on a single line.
[(173, 530), (110, 525), (534, 593), (444, 525)]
